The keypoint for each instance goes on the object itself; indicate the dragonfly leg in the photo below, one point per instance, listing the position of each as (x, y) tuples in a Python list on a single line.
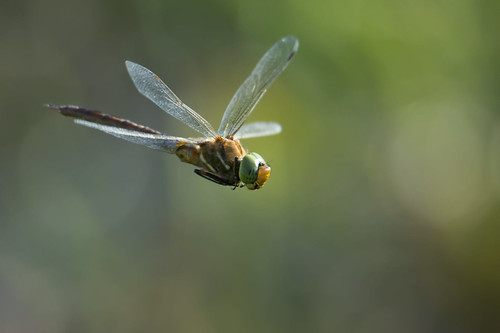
[(215, 178), (236, 171)]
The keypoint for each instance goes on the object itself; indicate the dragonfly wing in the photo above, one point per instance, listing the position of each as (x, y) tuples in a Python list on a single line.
[(151, 86), (161, 142), (251, 91), (256, 129)]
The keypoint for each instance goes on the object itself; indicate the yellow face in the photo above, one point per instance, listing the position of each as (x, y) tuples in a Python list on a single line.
[(263, 174)]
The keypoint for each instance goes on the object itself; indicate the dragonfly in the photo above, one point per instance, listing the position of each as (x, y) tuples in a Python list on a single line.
[(219, 155)]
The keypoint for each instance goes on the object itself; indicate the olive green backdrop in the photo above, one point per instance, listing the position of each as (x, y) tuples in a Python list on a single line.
[(381, 213)]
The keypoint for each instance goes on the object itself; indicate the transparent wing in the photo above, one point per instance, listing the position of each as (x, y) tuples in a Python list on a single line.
[(151, 86), (251, 91), (161, 142), (256, 129)]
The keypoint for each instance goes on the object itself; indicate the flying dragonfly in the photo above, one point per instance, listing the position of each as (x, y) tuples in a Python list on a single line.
[(218, 154)]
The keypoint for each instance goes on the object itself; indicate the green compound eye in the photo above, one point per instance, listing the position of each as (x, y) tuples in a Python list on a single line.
[(249, 167), (254, 171)]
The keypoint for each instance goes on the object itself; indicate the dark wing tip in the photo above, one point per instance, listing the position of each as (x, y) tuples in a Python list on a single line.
[(294, 42)]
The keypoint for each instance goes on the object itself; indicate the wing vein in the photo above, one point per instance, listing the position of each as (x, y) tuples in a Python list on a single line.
[(269, 67), (153, 88)]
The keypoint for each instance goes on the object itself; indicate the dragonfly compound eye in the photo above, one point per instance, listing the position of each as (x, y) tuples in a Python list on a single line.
[(254, 171)]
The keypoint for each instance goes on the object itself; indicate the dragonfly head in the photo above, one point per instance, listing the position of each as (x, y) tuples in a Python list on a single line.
[(254, 171)]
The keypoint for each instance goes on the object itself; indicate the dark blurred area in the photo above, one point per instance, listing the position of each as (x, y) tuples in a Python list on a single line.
[(382, 212)]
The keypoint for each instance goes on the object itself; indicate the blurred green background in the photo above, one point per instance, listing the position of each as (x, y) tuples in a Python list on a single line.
[(382, 211)]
